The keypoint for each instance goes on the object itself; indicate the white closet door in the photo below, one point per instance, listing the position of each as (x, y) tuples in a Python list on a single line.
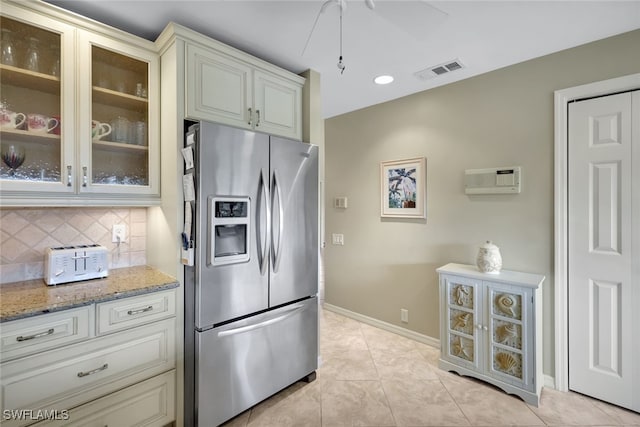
[(603, 234)]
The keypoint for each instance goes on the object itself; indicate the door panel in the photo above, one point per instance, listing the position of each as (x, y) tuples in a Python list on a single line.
[(230, 164), (294, 218), (244, 362), (601, 279)]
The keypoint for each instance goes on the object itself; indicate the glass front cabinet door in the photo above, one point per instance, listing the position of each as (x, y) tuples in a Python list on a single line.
[(119, 150), (119, 142), (37, 118)]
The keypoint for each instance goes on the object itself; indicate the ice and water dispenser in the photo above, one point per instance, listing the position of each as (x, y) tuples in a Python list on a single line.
[(230, 229)]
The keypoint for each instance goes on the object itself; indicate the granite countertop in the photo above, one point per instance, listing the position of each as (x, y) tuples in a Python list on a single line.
[(33, 297)]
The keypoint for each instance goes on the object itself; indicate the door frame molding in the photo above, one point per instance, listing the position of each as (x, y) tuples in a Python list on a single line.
[(561, 226)]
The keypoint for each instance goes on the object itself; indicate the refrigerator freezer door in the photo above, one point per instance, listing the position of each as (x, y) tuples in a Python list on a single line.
[(294, 219), (243, 363), (231, 164)]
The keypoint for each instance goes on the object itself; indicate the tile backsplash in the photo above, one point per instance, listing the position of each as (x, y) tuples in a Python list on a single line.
[(26, 233)]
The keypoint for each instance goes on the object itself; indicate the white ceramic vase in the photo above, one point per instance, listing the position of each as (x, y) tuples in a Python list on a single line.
[(489, 259)]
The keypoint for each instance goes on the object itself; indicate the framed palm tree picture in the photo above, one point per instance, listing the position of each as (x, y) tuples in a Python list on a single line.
[(403, 188)]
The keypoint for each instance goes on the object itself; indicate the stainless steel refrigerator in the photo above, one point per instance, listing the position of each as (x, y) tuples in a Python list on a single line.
[(251, 309)]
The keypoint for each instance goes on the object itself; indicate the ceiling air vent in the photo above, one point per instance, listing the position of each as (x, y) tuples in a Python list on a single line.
[(438, 70)]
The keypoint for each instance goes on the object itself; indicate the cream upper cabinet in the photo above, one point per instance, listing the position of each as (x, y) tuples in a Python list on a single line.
[(491, 327), (119, 142), (37, 106), (79, 110), (235, 91), (278, 105)]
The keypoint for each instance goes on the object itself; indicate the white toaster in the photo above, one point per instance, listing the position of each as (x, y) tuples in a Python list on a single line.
[(65, 264)]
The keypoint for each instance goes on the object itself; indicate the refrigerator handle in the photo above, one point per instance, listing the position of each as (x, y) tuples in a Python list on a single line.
[(295, 309), (263, 244), (277, 254)]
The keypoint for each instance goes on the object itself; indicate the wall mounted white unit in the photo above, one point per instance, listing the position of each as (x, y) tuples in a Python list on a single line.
[(504, 180), (491, 328)]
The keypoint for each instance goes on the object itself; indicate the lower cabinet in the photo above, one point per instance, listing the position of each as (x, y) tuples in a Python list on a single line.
[(149, 403), (126, 377), (490, 328)]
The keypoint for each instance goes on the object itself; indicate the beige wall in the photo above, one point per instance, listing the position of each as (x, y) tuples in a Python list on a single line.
[(501, 118)]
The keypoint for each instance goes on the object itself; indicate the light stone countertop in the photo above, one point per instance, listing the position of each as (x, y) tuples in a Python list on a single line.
[(33, 297)]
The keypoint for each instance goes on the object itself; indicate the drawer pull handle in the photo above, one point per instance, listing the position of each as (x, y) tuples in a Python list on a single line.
[(141, 310), (101, 368), (30, 337)]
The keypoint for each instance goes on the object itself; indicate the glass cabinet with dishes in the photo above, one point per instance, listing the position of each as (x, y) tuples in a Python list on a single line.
[(32, 111), (121, 95), (79, 113)]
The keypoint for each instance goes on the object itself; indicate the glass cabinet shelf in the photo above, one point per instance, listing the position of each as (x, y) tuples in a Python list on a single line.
[(21, 77), (119, 99), (120, 146), (27, 136)]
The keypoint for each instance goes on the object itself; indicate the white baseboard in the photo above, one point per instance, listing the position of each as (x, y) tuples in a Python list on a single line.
[(434, 342), (549, 381)]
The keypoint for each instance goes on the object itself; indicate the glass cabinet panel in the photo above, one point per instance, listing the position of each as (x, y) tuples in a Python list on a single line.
[(30, 104), (119, 121)]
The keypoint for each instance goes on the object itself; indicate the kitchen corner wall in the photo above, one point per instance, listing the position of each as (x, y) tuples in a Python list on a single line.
[(501, 118), (26, 233)]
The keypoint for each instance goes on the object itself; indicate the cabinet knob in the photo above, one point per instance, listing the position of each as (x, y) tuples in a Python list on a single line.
[(478, 326), (485, 328)]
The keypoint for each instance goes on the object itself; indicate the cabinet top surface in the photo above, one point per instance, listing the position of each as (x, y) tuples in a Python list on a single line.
[(505, 276), (33, 297)]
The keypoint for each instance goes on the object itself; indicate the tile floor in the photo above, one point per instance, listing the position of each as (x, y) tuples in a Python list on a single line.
[(371, 377)]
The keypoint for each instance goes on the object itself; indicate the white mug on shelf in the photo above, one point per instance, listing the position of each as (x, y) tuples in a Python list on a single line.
[(41, 123), (99, 130), (11, 120)]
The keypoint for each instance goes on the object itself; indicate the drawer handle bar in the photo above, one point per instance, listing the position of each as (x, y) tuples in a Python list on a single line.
[(101, 368), (141, 310), (30, 337)]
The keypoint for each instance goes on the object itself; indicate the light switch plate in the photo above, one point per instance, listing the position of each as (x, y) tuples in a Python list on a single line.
[(337, 239)]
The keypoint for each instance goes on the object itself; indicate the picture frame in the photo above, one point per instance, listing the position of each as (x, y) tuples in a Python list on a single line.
[(403, 188)]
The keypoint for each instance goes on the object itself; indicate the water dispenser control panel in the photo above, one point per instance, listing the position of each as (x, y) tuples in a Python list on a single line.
[(230, 230)]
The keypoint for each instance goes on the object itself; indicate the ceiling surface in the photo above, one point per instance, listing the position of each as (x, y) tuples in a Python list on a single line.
[(395, 37)]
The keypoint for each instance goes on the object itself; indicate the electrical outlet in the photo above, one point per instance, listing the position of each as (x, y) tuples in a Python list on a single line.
[(404, 315), (337, 239), (118, 233)]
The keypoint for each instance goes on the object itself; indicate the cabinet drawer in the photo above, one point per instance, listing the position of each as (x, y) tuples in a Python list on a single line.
[(71, 376), (125, 313), (44, 332), (149, 403)]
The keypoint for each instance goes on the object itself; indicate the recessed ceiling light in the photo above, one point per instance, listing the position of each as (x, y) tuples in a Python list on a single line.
[(383, 80)]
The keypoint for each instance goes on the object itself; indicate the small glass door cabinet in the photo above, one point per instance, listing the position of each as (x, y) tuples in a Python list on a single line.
[(36, 119), (462, 313), (119, 143), (508, 308)]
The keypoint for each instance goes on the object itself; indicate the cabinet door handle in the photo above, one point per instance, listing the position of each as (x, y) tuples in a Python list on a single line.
[(140, 310), (257, 118), (69, 176), (84, 176), (38, 335), (250, 116), (94, 371)]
